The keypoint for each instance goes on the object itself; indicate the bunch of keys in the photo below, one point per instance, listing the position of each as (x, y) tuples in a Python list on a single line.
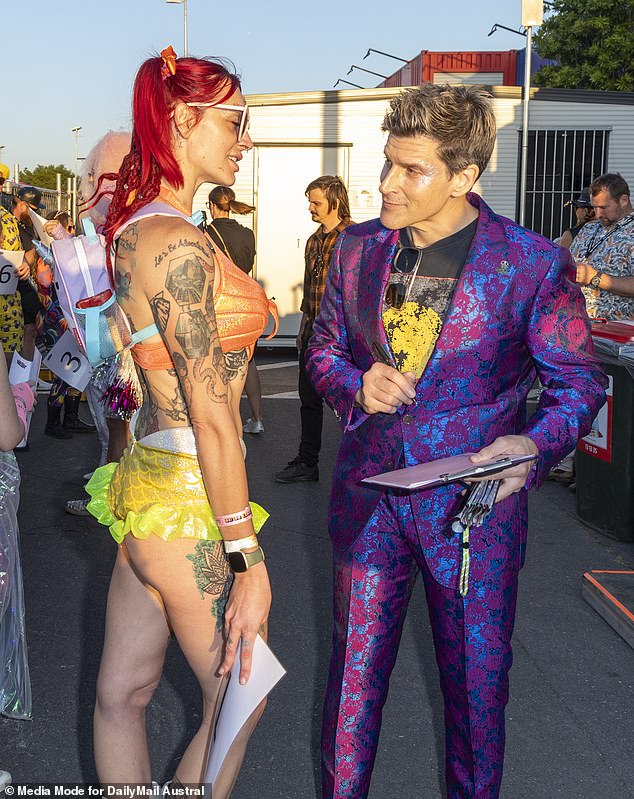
[(478, 503)]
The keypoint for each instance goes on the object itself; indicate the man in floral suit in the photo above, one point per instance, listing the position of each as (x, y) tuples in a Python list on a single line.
[(434, 323)]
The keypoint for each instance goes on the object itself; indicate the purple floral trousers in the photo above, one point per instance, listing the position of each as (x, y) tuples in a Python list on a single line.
[(373, 581)]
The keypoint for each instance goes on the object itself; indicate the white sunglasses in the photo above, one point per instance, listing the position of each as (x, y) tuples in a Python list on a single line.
[(243, 109)]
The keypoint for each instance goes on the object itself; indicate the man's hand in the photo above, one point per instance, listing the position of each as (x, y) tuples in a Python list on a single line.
[(513, 479), (585, 273), (384, 389)]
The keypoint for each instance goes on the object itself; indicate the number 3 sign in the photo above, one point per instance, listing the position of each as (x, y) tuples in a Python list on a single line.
[(67, 361)]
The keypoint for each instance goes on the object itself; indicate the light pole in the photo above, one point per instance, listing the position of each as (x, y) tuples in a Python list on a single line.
[(74, 196), (532, 14), (2, 146), (184, 4)]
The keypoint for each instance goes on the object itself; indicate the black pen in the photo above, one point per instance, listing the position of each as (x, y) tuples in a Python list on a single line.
[(381, 355)]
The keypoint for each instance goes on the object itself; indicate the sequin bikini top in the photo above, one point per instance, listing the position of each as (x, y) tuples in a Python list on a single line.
[(241, 306)]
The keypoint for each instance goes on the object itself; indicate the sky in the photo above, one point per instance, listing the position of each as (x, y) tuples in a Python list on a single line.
[(72, 63)]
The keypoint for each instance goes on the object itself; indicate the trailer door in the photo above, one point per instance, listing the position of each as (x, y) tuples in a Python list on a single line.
[(283, 223)]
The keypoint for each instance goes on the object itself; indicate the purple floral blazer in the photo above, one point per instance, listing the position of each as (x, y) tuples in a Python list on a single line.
[(516, 313)]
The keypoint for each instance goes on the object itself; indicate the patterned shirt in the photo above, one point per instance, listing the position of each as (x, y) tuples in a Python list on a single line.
[(610, 250), (412, 330), (11, 317), (317, 257)]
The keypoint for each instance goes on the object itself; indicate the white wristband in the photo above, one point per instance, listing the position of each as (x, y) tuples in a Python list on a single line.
[(240, 543)]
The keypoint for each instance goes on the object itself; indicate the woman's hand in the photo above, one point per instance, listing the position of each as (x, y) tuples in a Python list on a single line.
[(247, 610)]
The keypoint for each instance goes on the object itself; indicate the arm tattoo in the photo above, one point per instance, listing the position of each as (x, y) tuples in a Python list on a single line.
[(186, 281), (235, 363), (171, 248), (161, 310), (129, 239)]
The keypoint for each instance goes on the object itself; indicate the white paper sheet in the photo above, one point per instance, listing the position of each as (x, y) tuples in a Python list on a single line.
[(9, 261), (67, 361), (38, 224), (240, 701), (23, 371)]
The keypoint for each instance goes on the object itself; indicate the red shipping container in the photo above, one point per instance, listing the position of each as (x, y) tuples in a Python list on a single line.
[(429, 63)]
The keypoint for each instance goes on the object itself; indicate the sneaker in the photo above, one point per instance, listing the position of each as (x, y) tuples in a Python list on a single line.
[(253, 426), (43, 387), (77, 507), (563, 476), (78, 426), (297, 471), (5, 779)]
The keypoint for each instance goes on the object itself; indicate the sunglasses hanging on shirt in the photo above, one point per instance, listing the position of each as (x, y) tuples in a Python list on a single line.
[(406, 263)]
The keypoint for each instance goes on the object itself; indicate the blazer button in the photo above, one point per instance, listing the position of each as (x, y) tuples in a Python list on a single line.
[(389, 464), (407, 418)]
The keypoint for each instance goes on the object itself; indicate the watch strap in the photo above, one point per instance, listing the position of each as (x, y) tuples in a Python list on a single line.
[(242, 561)]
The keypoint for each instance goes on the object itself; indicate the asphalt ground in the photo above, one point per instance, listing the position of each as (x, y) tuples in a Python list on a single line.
[(570, 730)]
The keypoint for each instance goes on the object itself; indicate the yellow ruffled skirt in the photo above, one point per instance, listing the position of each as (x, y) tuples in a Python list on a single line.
[(156, 492)]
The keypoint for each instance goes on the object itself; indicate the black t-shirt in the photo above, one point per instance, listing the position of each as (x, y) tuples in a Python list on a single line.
[(236, 241), (414, 329)]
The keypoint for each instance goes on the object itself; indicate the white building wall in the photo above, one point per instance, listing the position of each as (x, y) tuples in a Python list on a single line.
[(356, 121)]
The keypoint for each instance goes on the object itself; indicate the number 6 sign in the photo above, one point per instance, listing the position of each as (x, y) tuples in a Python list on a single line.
[(67, 361), (8, 276)]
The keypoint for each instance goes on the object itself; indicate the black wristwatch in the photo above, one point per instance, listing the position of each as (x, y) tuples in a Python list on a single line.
[(241, 561), (596, 280)]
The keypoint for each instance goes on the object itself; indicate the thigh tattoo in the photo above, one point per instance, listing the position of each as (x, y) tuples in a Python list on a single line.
[(213, 577)]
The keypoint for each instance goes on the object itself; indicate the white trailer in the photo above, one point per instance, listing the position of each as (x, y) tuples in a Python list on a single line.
[(575, 135)]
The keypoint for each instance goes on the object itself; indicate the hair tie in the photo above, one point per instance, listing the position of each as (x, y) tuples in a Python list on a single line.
[(169, 62)]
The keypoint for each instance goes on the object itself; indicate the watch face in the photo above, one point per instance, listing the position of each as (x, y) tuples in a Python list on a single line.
[(237, 561)]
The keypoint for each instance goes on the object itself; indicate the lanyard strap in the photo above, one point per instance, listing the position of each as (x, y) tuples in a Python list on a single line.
[(618, 226)]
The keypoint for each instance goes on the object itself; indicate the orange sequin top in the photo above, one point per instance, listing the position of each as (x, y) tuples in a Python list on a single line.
[(242, 312)]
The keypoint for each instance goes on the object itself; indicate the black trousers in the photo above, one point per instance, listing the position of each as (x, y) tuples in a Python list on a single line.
[(312, 415)]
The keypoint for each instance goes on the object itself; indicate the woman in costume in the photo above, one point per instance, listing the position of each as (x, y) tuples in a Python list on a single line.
[(238, 244), (177, 502), (16, 401)]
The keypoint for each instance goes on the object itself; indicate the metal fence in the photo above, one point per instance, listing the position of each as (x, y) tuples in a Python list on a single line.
[(53, 200), (560, 164)]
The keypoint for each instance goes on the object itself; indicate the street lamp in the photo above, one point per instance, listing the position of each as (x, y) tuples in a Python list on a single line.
[(184, 4), (389, 55), (76, 132), (369, 71), (74, 195), (341, 80), (532, 15), (2, 146)]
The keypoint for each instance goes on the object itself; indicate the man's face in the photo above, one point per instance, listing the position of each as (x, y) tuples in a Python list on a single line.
[(608, 210), (318, 206), (415, 183), (21, 211)]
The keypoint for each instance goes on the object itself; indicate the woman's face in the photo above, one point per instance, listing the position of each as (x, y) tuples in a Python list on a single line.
[(215, 150)]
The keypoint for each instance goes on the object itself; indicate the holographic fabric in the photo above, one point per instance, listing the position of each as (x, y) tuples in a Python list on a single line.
[(156, 492), (373, 582), (15, 683)]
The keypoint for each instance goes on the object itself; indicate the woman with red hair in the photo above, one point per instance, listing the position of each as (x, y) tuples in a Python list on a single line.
[(177, 502)]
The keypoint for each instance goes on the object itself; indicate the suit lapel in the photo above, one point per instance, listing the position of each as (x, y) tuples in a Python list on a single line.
[(488, 249), (376, 260)]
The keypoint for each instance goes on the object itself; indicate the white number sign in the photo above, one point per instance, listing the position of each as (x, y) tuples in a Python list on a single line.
[(67, 361)]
